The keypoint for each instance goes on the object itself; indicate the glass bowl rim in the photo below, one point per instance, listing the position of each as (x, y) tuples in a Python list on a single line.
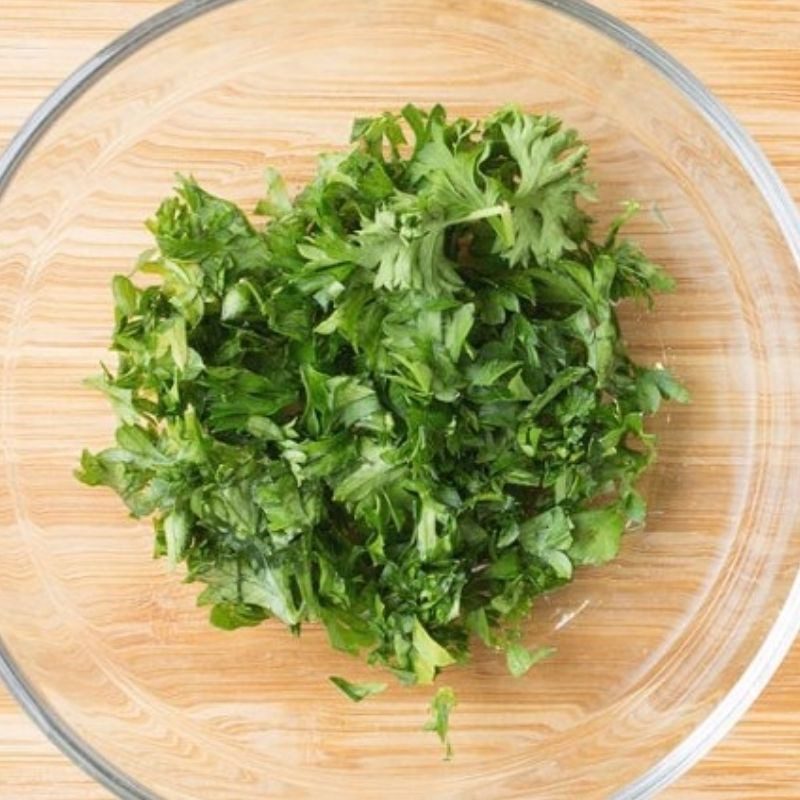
[(787, 625)]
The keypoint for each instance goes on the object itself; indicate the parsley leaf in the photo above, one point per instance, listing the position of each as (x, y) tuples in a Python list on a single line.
[(520, 659), (444, 701), (356, 691), (597, 535)]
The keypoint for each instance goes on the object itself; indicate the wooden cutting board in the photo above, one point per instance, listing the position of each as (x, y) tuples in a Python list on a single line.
[(745, 50)]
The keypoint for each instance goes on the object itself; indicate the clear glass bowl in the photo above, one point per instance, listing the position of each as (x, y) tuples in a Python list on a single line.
[(658, 653)]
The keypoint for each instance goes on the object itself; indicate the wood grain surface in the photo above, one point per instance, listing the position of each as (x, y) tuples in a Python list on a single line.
[(745, 50)]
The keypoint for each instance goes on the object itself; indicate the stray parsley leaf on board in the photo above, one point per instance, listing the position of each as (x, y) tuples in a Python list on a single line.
[(442, 705), (356, 691)]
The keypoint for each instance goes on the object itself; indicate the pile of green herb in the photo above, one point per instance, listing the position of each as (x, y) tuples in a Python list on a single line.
[(401, 408)]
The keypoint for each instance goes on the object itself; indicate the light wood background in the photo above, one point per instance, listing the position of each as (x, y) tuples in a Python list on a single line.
[(747, 51)]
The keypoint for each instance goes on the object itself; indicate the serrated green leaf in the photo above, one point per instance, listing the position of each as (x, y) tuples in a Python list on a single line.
[(489, 372), (277, 202), (596, 536), (126, 295), (458, 329), (428, 655)]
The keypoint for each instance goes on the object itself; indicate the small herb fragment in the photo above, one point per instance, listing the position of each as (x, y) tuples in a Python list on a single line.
[(356, 691), (444, 701), (520, 659)]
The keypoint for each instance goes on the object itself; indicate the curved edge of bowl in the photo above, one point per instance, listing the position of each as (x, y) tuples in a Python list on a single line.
[(62, 735), (786, 628)]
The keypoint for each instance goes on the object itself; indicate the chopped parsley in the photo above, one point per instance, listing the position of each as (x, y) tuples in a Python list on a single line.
[(401, 405)]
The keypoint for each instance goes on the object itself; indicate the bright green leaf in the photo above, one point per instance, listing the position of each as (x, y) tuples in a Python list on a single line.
[(356, 691)]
